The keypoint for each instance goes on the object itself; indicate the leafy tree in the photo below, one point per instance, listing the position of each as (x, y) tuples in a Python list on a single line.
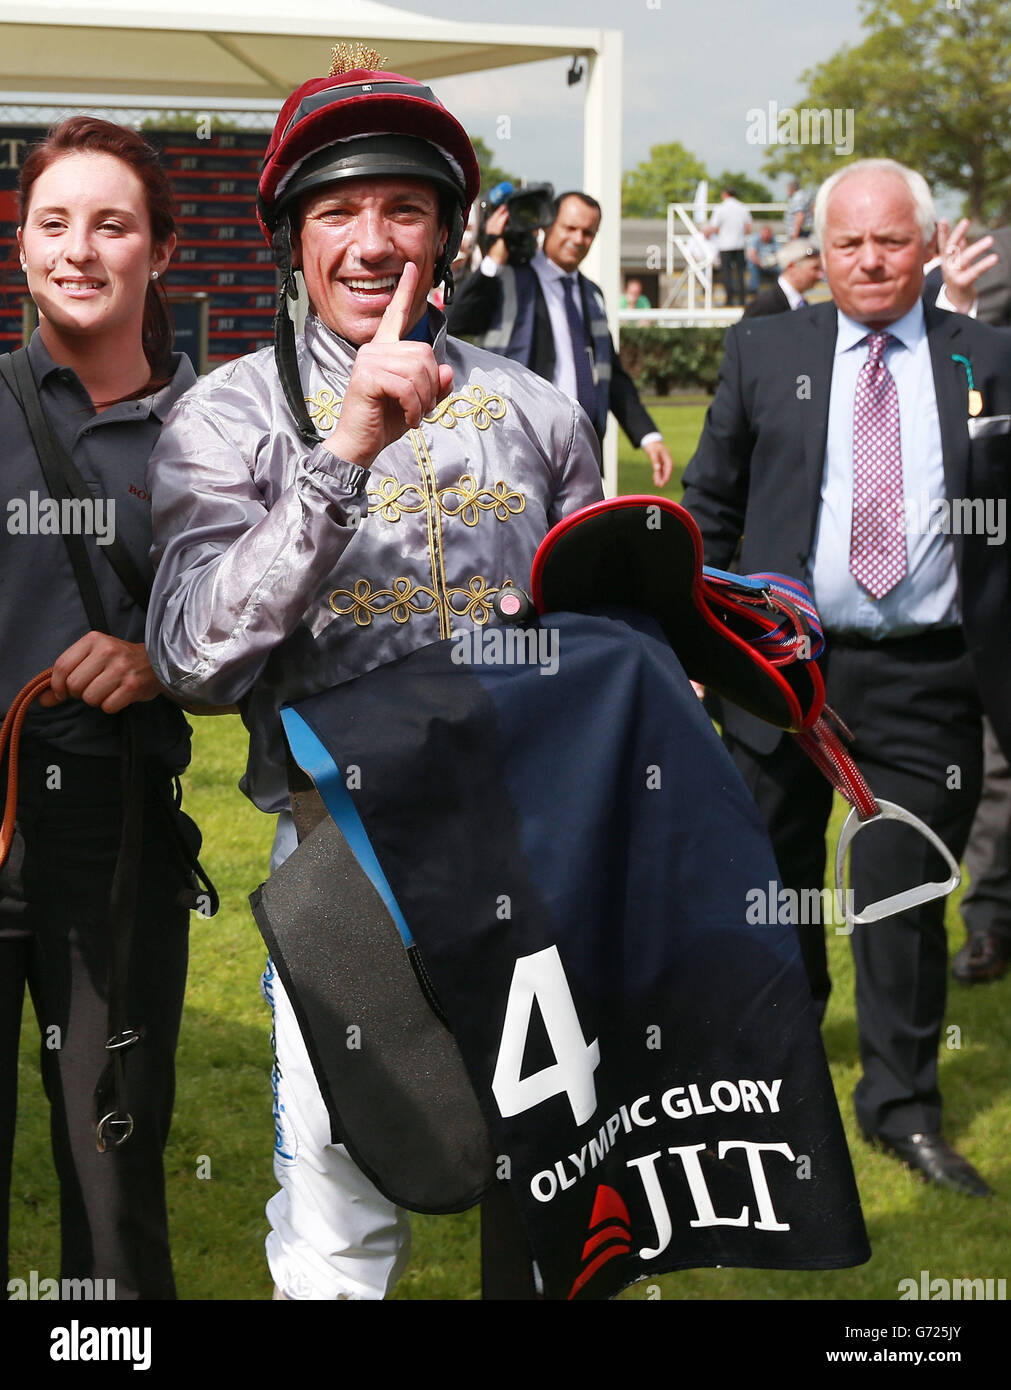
[(930, 86), (491, 174), (669, 175), (749, 190)]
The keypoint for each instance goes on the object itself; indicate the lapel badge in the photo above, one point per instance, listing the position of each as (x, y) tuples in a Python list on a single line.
[(975, 406)]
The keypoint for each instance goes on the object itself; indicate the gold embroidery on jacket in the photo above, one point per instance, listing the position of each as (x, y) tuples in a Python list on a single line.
[(389, 499), (402, 601), (405, 599), (324, 409), (474, 500), (468, 500), (435, 543), (478, 595), (393, 499), (473, 403)]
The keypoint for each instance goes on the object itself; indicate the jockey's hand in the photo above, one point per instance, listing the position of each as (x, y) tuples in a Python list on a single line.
[(393, 384)]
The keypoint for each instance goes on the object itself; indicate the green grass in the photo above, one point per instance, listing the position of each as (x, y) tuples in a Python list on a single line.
[(223, 1107), (680, 425)]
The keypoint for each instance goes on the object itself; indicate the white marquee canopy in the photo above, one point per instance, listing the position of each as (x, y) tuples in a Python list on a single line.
[(199, 52)]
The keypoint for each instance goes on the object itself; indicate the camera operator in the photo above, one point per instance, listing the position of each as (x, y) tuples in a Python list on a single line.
[(549, 317)]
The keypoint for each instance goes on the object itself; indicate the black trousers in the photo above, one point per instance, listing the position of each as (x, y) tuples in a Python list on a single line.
[(913, 708), (732, 274), (54, 902)]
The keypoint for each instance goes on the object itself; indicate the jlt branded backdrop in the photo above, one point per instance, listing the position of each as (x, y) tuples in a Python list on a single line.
[(221, 253)]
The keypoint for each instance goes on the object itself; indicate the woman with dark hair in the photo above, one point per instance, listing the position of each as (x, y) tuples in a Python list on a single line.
[(93, 896)]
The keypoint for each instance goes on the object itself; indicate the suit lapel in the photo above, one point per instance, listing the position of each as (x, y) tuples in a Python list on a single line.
[(601, 355), (542, 358), (815, 354), (951, 389)]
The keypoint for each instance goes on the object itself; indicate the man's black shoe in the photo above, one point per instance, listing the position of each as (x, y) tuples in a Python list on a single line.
[(983, 957), (935, 1160)]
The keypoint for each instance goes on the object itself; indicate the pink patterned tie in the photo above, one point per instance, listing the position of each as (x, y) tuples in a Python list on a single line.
[(877, 539)]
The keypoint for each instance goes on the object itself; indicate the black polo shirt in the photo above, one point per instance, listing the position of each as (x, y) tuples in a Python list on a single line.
[(41, 610)]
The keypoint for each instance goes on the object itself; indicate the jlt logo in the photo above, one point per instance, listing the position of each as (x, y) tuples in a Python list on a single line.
[(11, 152), (705, 1213), (539, 979)]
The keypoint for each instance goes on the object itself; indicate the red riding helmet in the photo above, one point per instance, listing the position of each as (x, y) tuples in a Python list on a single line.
[(359, 123)]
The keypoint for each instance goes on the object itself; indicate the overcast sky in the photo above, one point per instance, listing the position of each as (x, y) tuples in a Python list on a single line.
[(691, 73)]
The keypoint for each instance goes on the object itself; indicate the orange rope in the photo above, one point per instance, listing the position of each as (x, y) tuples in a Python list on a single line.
[(12, 730)]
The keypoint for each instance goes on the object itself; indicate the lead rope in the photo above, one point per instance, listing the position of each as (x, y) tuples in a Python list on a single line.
[(11, 732), (112, 1127)]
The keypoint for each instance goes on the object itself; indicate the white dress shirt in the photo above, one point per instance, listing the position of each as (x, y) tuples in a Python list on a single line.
[(928, 594), (731, 220), (794, 297), (550, 278)]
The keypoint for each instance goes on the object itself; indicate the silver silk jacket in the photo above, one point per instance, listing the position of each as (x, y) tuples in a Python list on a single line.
[(276, 578)]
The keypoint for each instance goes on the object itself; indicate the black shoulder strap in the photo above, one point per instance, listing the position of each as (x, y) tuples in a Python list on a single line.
[(64, 481), (113, 1123), (38, 426)]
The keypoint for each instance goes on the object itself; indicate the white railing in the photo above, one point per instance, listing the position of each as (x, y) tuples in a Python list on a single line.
[(690, 258)]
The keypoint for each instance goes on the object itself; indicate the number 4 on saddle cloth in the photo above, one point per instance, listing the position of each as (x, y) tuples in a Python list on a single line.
[(516, 929)]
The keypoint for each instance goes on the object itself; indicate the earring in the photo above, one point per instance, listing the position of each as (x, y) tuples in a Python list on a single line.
[(154, 275), (24, 263)]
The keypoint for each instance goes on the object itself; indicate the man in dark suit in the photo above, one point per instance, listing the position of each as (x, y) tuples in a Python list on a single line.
[(986, 903), (552, 319), (845, 446), (801, 270), (771, 300)]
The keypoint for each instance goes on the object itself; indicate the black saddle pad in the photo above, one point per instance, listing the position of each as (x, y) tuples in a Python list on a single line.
[(388, 1068)]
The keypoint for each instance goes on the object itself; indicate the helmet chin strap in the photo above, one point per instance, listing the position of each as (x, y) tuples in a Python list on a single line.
[(285, 355), (443, 273)]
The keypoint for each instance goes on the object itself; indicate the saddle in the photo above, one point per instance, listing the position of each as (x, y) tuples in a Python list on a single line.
[(404, 1103), (753, 639)]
